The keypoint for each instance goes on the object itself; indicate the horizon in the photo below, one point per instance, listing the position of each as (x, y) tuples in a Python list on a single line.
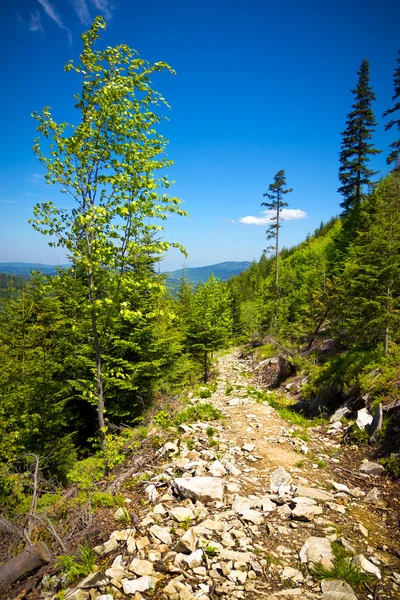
[(244, 105)]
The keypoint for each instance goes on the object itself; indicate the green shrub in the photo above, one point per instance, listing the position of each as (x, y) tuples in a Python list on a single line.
[(80, 565), (205, 393), (342, 568), (392, 464)]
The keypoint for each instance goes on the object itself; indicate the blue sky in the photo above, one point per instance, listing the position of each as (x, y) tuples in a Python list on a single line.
[(260, 86)]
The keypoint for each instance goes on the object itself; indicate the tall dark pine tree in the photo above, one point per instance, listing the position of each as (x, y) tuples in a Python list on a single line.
[(356, 148), (394, 156), (276, 192)]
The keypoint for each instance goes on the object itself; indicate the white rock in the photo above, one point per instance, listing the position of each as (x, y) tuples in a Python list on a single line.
[(314, 493), (373, 497), (217, 469), (161, 534), (151, 492), (188, 542), (278, 478), (194, 559), (316, 549), (335, 589), (181, 513), (241, 504), (364, 418), (366, 566), (372, 468), (143, 584), (205, 489), (248, 447), (233, 470), (293, 574), (159, 510), (303, 512), (141, 567), (253, 516), (107, 547)]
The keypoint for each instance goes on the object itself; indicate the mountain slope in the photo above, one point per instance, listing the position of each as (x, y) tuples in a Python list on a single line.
[(222, 271)]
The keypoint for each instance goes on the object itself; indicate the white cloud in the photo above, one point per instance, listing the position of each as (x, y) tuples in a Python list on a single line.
[(287, 214), (35, 23), (82, 11), (231, 221), (104, 6), (53, 15)]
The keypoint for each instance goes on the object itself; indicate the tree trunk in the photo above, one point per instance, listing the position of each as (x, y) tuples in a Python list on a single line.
[(25, 563), (99, 383), (205, 378)]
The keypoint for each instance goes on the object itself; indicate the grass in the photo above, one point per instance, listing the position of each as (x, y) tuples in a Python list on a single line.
[(282, 406), (191, 414), (185, 523), (342, 568), (210, 550), (79, 565)]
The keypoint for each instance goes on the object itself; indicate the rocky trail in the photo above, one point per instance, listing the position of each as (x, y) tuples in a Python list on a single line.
[(244, 508)]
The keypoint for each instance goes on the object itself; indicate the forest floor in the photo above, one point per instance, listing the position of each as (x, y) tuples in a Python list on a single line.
[(254, 507)]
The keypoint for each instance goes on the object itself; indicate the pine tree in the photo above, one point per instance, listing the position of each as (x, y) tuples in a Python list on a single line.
[(394, 156), (356, 148), (370, 290), (276, 204)]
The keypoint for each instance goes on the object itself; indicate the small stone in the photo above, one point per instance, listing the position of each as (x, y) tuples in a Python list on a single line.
[(205, 489), (340, 487), (248, 447), (362, 529), (232, 469), (303, 512), (315, 550), (161, 534), (373, 497), (188, 542), (143, 584), (314, 493), (194, 559), (141, 567), (364, 418), (253, 516), (336, 589), (366, 566), (181, 513), (371, 468), (115, 573), (94, 580), (278, 478), (107, 547), (217, 469), (293, 574), (159, 510)]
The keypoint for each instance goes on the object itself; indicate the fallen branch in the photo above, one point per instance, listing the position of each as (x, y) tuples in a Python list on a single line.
[(25, 563)]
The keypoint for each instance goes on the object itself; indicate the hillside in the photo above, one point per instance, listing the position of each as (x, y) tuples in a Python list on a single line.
[(15, 268), (222, 271)]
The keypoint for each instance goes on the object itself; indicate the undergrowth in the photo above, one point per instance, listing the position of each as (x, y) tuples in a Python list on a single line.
[(342, 569)]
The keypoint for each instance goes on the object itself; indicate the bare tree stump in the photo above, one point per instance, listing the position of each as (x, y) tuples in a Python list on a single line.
[(25, 563)]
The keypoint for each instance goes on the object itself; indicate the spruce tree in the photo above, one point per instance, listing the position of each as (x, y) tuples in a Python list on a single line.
[(276, 192), (276, 204), (356, 148), (394, 156)]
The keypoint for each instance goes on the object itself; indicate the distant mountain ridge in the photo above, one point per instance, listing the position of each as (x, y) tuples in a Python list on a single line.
[(195, 275), (222, 271), (15, 268)]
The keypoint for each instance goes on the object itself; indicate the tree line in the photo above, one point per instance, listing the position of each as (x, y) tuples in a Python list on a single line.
[(84, 353)]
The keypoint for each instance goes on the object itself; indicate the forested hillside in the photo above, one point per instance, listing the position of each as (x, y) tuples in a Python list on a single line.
[(86, 354)]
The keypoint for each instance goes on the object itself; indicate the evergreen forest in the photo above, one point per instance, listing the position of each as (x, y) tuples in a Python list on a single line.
[(88, 353)]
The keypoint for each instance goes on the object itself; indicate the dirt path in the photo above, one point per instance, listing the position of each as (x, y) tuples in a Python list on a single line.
[(246, 508), (319, 463)]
